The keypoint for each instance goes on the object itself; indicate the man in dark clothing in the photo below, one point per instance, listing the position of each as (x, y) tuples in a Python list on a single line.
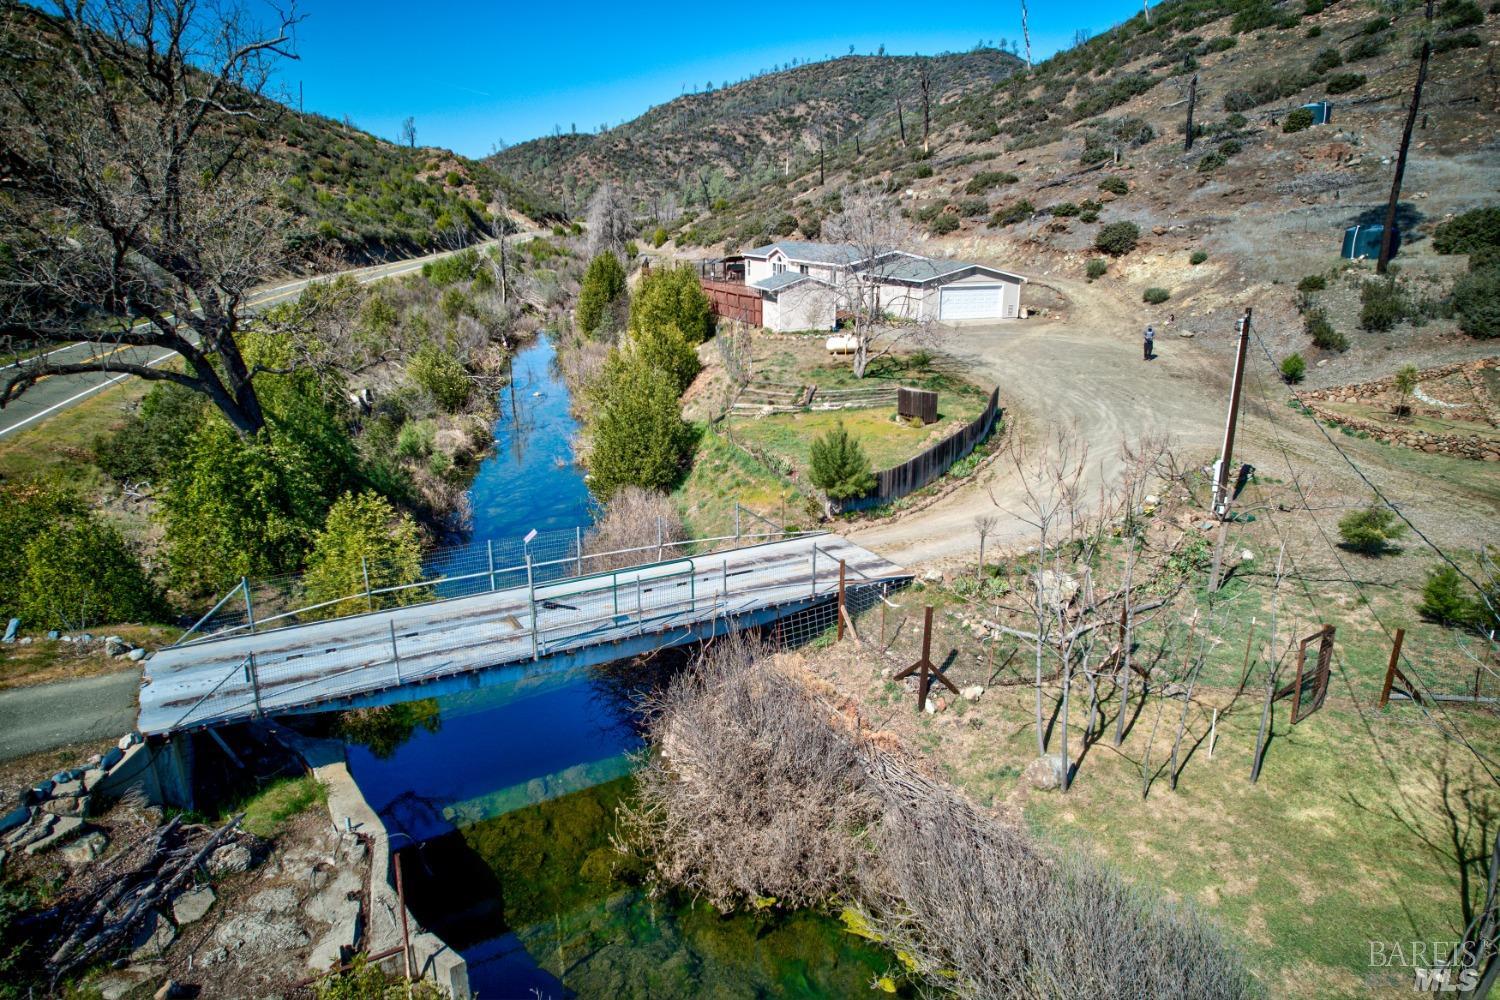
[(1150, 343)]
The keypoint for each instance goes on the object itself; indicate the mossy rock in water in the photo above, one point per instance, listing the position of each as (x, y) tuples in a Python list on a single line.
[(607, 866)]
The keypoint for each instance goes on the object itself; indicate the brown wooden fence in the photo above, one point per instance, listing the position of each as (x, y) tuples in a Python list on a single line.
[(731, 300), (913, 474)]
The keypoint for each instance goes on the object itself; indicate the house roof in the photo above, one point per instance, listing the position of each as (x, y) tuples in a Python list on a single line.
[(808, 253), (924, 270), (777, 282)]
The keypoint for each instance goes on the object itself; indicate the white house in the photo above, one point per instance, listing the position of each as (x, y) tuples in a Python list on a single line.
[(801, 284)]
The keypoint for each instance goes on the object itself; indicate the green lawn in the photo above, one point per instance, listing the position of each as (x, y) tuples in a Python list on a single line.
[(722, 475)]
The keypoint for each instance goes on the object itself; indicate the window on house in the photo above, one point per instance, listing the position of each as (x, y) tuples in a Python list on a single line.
[(777, 268), (802, 268)]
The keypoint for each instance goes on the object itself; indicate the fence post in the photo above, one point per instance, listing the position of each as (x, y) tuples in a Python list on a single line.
[(638, 622), (692, 587), (1390, 669), (815, 570), (531, 597), (490, 547), (736, 522), (364, 568), (840, 636), (724, 584), (660, 532), (614, 591), (249, 610), (395, 653), (578, 546), (254, 681)]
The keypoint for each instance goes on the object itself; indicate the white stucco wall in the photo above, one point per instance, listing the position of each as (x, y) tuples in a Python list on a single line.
[(807, 306)]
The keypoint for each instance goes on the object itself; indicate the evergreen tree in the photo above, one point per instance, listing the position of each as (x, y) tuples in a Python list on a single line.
[(638, 434), (603, 289), (665, 347), (840, 467), (364, 542), (80, 573), (672, 296)]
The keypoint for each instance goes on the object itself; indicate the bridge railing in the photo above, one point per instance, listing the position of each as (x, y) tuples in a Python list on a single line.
[(553, 617), (447, 572)]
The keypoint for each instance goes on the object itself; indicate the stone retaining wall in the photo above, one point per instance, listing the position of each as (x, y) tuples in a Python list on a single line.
[(1380, 391)]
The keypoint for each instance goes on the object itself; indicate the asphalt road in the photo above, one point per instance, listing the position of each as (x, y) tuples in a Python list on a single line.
[(55, 393), (33, 719)]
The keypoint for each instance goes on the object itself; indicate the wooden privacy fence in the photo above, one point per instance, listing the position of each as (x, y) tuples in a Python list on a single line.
[(913, 474), (731, 300)]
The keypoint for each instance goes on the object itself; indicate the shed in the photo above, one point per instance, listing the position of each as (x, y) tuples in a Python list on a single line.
[(1322, 112), (793, 301), (1364, 241)]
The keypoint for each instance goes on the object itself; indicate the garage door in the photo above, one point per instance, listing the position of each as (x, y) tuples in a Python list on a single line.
[(970, 302)]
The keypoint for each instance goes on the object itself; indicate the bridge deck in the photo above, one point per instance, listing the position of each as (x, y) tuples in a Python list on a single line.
[(337, 663)]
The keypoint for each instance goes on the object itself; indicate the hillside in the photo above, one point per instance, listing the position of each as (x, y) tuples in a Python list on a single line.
[(719, 143), (350, 194)]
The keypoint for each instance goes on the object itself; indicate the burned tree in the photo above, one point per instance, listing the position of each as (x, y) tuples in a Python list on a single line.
[(136, 213)]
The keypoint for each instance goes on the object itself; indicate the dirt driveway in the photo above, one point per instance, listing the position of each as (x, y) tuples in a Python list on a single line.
[(1084, 369)]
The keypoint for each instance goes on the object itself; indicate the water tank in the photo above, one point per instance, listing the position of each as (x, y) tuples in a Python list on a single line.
[(1322, 112), (1364, 241)]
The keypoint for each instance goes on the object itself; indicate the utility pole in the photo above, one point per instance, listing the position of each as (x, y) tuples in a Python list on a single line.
[(1187, 143), (1222, 491), (1388, 235)]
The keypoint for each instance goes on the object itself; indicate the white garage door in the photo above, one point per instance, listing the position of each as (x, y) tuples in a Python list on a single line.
[(970, 302)]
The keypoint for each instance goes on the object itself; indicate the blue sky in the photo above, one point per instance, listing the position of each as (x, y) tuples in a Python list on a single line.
[(473, 74)]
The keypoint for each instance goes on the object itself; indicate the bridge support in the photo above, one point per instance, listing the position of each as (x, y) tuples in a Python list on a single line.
[(160, 769)]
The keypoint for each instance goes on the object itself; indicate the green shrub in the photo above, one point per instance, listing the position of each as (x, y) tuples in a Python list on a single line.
[(1383, 304), (1367, 47), (944, 222), (637, 434), (416, 439), (1324, 336), (1326, 60), (1460, 14), (1096, 268), (1222, 44), (442, 376), (449, 270), (1114, 185), (1293, 369), (1197, 257), (366, 981), (1314, 31), (1064, 209), (151, 439), (986, 180), (672, 296), (1297, 120), (1117, 238), (840, 467), (1476, 299), (1312, 283), (1229, 147), (659, 237), (1450, 43), (1213, 161), (1449, 599), (1155, 296), (1370, 531), (364, 543), (1343, 83), (1253, 17), (1474, 230), (80, 573), (602, 292), (1017, 212)]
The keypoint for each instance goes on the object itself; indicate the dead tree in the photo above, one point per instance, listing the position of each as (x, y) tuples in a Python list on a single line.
[(1388, 236), (900, 118), (1192, 102), (609, 220), (134, 129), (409, 132), (924, 81)]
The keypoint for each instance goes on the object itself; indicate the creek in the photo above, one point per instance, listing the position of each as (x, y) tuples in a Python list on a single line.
[(503, 801)]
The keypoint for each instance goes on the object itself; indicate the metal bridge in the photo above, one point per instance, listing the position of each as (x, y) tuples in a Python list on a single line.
[(425, 650)]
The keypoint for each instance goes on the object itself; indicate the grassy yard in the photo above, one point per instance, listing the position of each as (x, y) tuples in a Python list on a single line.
[(723, 475), (1348, 837), (886, 439)]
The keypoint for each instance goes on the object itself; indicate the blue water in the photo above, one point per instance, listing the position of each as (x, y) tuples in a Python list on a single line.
[(529, 481)]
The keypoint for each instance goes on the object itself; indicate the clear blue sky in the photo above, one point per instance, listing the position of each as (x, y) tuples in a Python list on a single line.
[(474, 73)]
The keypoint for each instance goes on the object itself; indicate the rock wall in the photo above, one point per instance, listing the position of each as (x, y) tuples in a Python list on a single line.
[(1382, 392)]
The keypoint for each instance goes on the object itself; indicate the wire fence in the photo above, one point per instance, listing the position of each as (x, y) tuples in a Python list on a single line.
[(449, 572)]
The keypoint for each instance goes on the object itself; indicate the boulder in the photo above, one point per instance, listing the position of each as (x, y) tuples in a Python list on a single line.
[(69, 787), (30, 833), (1045, 773), (60, 832), (192, 905), (14, 818), (120, 984), (136, 655), (972, 692), (67, 806), (153, 937), (85, 849), (230, 859), (111, 758), (115, 646)]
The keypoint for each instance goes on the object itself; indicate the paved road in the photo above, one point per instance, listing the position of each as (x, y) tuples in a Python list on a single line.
[(58, 392), (34, 719)]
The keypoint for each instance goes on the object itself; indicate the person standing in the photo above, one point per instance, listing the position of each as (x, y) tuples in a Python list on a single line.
[(1150, 343)]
